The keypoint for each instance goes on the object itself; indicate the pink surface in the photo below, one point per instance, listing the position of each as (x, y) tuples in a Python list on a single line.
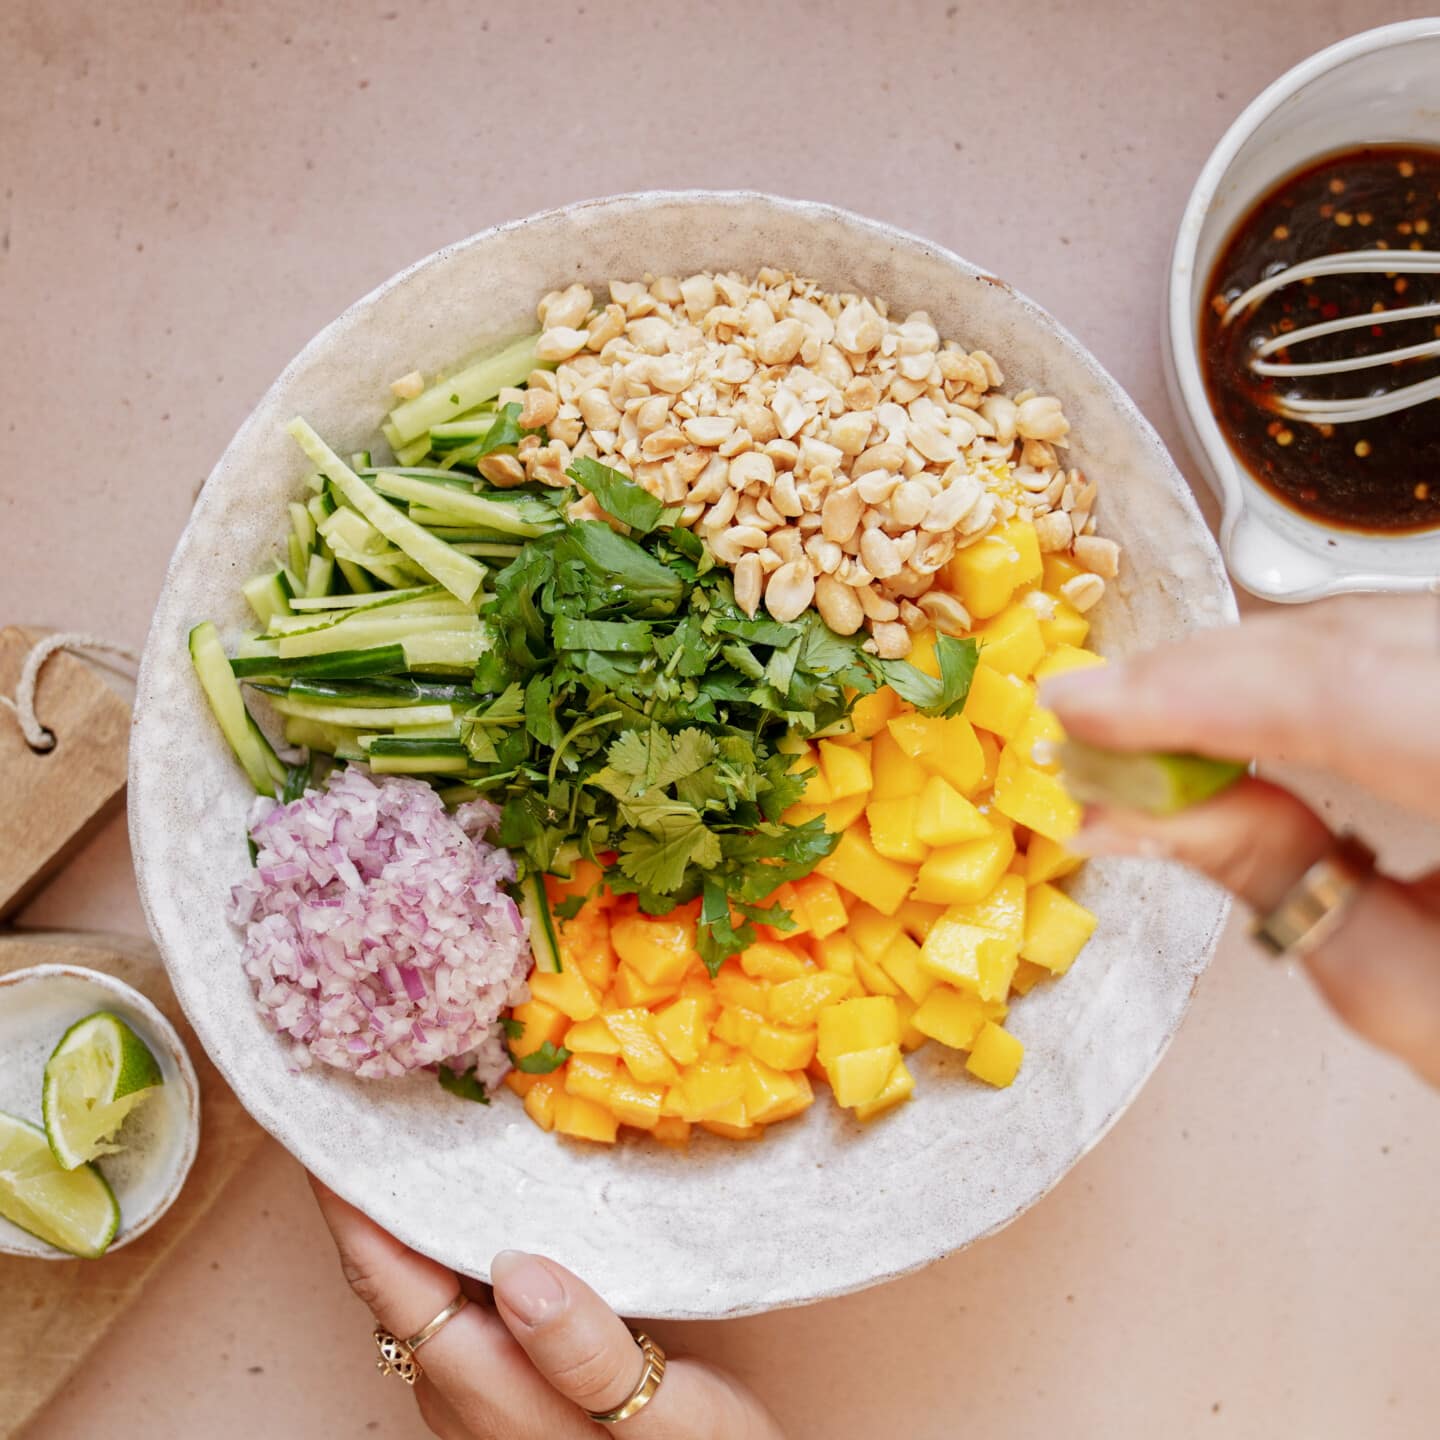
[(187, 192)]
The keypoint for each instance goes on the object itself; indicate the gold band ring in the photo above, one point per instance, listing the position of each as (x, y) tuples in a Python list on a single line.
[(397, 1357), (645, 1386), (1312, 909)]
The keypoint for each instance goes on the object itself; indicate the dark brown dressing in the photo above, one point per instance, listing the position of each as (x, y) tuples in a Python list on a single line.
[(1379, 475)]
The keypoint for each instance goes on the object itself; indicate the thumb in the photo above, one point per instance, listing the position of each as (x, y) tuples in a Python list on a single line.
[(587, 1353)]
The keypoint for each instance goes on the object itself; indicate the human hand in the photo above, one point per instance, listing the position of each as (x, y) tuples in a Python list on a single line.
[(1351, 687), (528, 1366)]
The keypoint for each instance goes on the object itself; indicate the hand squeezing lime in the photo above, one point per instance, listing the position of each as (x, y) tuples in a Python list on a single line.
[(1156, 782), (98, 1073)]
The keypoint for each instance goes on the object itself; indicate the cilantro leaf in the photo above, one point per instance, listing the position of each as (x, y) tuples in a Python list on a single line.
[(512, 1027), (617, 494), (504, 432), (462, 1083), (945, 696), (542, 1061), (569, 907)]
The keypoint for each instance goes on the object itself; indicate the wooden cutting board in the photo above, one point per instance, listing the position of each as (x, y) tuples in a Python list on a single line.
[(52, 1313)]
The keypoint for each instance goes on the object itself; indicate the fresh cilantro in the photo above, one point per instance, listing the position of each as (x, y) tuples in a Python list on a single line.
[(569, 907), (254, 850), (463, 1083), (945, 696), (617, 494), (512, 1027), (542, 1061), (506, 431)]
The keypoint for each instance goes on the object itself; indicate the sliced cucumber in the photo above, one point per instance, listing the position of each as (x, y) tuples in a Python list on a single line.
[(416, 450), (355, 577), (526, 516), (375, 597), (320, 577), (535, 907), (367, 717), (458, 573), (456, 433), (380, 692), (218, 681), (446, 650), (340, 664), (463, 392), (372, 630), (268, 595), (340, 741)]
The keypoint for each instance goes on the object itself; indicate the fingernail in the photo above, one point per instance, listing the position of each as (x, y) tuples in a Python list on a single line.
[(1097, 685), (528, 1288)]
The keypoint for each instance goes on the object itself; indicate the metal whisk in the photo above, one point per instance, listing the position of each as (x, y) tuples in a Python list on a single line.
[(1344, 411)]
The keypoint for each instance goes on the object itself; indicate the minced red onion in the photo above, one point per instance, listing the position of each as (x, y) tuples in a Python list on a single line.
[(378, 933)]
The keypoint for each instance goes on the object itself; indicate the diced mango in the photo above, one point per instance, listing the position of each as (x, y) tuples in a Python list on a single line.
[(990, 747), (846, 769), (817, 788), (635, 1104), (802, 1098), (943, 816), (917, 916), (898, 1088), (1034, 799), (772, 960), (872, 976), (951, 1016), (1027, 975), (1047, 860), (641, 1051), (957, 755), (995, 1056), (708, 1088), (567, 991), (859, 1024), (985, 575), (1067, 626), (859, 1076), (728, 1131), (901, 962), (1012, 641), (822, 905), (671, 1130), (1066, 657), (585, 939), (584, 1119), (870, 712), (871, 932), (1056, 929), (783, 1049), (630, 991), (855, 865), (837, 954), (910, 1037), (771, 1094), (681, 1029), (998, 702), (658, 948), (591, 1037), (797, 1003), (737, 1027), (737, 990), (591, 1076), (540, 1100), (538, 1023), (970, 957), (519, 1082), (922, 653), (892, 828), (958, 874), (1001, 911), (896, 771), (1042, 727), (1056, 570)]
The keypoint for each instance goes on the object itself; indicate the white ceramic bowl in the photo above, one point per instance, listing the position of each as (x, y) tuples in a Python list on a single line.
[(37, 1006), (1374, 87), (822, 1205)]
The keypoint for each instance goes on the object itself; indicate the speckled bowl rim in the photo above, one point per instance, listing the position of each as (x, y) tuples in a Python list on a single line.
[(1167, 475), (162, 1030)]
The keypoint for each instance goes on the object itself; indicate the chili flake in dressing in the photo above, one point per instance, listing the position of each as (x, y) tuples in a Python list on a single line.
[(1377, 475)]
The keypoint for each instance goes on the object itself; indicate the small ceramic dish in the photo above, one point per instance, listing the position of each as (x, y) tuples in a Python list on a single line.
[(37, 1006), (1373, 88)]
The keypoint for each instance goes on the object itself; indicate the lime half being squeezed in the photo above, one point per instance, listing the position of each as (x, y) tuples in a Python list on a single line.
[(98, 1073), (1156, 782)]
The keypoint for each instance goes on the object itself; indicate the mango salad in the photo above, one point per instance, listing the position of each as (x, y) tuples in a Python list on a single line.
[(938, 907)]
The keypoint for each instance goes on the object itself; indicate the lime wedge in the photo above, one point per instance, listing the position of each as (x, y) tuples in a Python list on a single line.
[(74, 1210), (1155, 782), (98, 1073)]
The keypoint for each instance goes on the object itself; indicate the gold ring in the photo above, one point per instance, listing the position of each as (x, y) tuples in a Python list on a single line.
[(1312, 909), (645, 1386), (397, 1357)]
